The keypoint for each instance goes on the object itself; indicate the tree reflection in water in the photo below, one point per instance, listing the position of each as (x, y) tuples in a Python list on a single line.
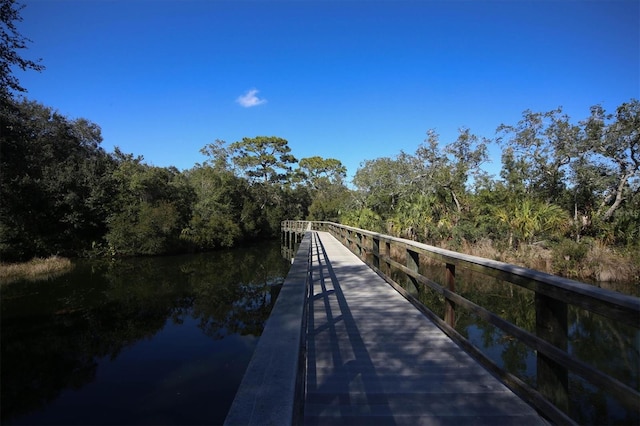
[(66, 343), (126, 342)]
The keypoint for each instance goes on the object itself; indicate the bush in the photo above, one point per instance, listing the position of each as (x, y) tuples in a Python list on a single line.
[(567, 256), (364, 219)]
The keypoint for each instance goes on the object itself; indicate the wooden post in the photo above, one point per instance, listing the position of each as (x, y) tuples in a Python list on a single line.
[(387, 253), (413, 263), (552, 326), (376, 252), (365, 249), (449, 306)]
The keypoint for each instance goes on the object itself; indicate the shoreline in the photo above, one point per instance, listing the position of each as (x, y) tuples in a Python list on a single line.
[(36, 269)]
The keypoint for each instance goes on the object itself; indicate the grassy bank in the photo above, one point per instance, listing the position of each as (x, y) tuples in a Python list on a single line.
[(590, 261), (35, 269)]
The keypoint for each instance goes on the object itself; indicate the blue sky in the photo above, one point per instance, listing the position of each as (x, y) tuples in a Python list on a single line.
[(352, 80)]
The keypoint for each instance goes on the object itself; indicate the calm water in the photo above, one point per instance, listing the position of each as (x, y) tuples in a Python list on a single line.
[(167, 340), (137, 341)]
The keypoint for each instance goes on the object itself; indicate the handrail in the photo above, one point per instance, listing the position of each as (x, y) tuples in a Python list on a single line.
[(553, 295)]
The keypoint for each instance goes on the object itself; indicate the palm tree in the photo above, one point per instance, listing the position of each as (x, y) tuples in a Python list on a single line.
[(529, 219)]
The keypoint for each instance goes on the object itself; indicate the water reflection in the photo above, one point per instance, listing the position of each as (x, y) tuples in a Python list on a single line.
[(138, 341)]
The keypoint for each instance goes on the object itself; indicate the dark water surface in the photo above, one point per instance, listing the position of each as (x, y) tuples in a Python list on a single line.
[(167, 340), (137, 341)]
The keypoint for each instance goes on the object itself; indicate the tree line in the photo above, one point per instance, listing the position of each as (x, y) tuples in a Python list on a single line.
[(557, 179), (562, 184), (64, 194)]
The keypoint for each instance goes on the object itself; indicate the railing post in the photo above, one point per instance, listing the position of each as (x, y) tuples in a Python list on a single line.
[(387, 254), (376, 252), (449, 306), (413, 263), (365, 249), (351, 241), (552, 326)]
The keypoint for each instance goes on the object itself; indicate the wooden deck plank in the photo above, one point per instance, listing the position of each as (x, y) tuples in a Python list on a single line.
[(372, 358)]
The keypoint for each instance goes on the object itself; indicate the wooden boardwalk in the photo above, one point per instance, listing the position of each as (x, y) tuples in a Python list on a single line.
[(373, 359)]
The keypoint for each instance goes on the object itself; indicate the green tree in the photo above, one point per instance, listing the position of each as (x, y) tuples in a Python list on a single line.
[(328, 205), (267, 163), (441, 181), (218, 155), (528, 219), (537, 152), (263, 159), (363, 218), (514, 172), (414, 218), (324, 180), (11, 42), (424, 196), (55, 182), (614, 145), (297, 203), (445, 171), (217, 217), (152, 208), (381, 183), (588, 180), (256, 175), (319, 173)]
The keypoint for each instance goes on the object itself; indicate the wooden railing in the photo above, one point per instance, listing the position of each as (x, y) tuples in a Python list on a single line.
[(552, 297)]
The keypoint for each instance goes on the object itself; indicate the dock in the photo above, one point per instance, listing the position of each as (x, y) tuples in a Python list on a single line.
[(343, 347), (374, 359)]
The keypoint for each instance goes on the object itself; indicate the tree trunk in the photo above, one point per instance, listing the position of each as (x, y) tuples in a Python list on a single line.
[(575, 221), (619, 197), (455, 200)]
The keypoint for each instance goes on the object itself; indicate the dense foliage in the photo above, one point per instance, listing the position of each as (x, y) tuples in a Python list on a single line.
[(565, 186), (11, 42), (561, 184), (558, 179), (56, 182), (63, 194)]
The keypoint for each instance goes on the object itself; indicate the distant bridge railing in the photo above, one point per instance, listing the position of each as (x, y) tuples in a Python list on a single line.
[(552, 296)]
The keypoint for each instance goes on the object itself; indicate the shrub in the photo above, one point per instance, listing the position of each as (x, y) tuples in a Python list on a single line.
[(567, 256)]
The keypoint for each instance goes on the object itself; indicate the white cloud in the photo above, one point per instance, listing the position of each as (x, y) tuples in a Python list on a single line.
[(249, 99)]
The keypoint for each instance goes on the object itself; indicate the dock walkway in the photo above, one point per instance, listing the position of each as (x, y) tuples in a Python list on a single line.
[(374, 359)]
